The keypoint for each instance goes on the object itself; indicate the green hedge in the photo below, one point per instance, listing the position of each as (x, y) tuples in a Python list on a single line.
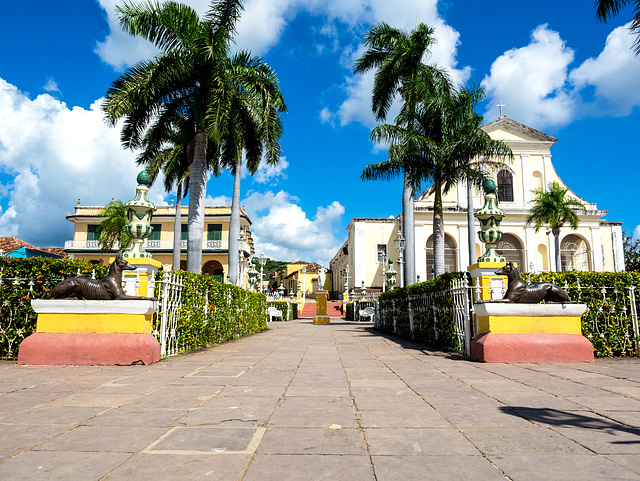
[(17, 318), (213, 312), (607, 323), (394, 308)]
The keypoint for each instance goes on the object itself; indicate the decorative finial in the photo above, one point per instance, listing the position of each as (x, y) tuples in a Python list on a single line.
[(78, 201)]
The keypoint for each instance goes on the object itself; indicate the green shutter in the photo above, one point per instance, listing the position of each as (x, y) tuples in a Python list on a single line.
[(92, 232), (155, 234), (214, 232), (183, 232)]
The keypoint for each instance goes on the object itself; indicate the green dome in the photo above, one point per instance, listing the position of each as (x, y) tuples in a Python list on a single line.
[(143, 178), (489, 186)]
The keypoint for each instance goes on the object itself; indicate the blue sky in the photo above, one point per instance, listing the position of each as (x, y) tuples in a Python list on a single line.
[(552, 64)]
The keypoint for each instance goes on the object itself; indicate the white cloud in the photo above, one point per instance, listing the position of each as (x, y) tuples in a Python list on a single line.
[(615, 74), (271, 173), (532, 81), (54, 155), (220, 200), (51, 86), (285, 232)]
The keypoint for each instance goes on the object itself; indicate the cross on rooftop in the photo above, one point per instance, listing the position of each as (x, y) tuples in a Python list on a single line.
[(500, 105)]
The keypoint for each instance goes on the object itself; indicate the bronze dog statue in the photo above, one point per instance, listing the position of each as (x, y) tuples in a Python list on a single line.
[(105, 289), (519, 292)]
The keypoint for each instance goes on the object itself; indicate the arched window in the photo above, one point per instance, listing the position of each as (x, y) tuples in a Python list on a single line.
[(511, 248), (575, 254), (505, 186), (450, 255)]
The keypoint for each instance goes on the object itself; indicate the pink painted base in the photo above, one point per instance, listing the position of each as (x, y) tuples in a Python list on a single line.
[(88, 349), (540, 348)]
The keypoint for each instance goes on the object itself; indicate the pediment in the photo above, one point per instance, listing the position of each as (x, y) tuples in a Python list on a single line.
[(509, 130)]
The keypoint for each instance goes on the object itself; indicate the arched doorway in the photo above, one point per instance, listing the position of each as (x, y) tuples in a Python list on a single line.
[(450, 255), (511, 248), (214, 269), (575, 254)]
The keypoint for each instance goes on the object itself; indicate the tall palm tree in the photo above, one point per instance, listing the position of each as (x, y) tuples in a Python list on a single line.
[(111, 230), (172, 156), (553, 209), (398, 56), (252, 131), (193, 76), (605, 9), (439, 142)]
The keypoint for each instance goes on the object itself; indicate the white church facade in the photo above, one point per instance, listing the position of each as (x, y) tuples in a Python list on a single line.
[(595, 246)]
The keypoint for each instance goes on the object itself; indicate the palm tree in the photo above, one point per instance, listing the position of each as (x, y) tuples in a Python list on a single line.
[(172, 156), (397, 55), (111, 230), (553, 209), (440, 142), (605, 9), (192, 77), (252, 130)]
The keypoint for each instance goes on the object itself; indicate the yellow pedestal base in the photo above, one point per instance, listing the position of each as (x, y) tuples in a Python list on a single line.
[(321, 320)]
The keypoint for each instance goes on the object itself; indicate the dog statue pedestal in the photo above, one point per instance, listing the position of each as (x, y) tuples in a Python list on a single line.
[(81, 332), (539, 333)]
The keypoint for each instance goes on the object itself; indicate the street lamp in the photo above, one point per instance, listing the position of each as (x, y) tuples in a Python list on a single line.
[(241, 266), (400, 243), (384, 278), (262, 260)]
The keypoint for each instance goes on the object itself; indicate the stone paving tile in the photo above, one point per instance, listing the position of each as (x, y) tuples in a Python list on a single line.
[(539, 401), (205, 439), (175, 467), (127, 416), (612, 440), (52, 466), (416, 442), (232, 411), (310, 412), (629, 461), (312, 441), (129, 439), (476, 414), (388, 403), (277, 467), (525, 441), (608, 403), (23, 436), (423, 417), (54, 415), (435, 468), (561, 468), (176, 397), (90, 399)]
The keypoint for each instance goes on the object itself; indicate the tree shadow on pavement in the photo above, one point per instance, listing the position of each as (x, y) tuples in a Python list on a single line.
[(572, 419)]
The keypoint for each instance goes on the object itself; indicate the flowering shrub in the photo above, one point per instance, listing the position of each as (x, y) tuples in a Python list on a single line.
[(608, 323), (24, 279), (213, 312)]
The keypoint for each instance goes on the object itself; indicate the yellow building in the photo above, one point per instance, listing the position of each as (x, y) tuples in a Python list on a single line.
[(595, 246), (85, 244), (301, 276)]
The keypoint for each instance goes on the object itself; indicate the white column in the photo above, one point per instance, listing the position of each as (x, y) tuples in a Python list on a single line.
[(463, 247), (461, 188), (546, 171), (359, 254), (421, 252), (596, 248), (618, 248), (526, 179), (532, 248)]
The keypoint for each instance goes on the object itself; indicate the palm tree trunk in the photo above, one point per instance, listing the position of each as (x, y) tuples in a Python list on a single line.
[(438, 232), (471, 226), (409, 233), (556, 242), (234, 225), (177, 229), (197, 198)]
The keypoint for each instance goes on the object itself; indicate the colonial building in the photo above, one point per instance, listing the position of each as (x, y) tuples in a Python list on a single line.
[(215, 245), (301, 276), (595, 246)]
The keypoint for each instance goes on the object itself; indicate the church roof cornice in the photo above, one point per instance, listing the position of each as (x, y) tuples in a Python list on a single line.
[(507, 123)]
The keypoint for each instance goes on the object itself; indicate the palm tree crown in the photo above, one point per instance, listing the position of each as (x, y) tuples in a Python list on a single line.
[(554, 209), (605, 9), (194, 77)]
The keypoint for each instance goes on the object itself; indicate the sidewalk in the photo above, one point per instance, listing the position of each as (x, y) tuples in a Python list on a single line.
[(321, 402)]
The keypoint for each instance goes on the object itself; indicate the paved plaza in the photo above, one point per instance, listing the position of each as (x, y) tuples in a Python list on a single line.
[(321, 402)]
